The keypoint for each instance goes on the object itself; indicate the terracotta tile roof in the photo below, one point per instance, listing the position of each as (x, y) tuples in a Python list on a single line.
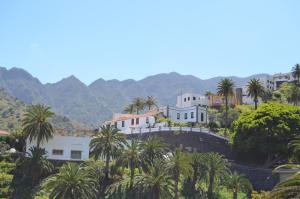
[(3, 133), (120, 117)]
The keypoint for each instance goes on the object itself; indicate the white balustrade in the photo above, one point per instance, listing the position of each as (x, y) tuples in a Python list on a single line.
[(162, 129)]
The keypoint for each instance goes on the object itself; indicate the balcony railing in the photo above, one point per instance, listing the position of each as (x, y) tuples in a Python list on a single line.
[(180, 129)]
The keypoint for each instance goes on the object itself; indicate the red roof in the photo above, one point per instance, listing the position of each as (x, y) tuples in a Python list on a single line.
[(3, 133)]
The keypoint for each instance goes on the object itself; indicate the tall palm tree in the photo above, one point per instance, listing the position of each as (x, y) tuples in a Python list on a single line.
[(72, 182), (106, 144), (130, 109), (216, 168), (150, 102), (255, 89), (139, 104), (153, 148), (237, 183), (296, 73), (36, 125), (157, 183), (131, 158), (36, 165), (199, 169), (178, 164), (225, 89)]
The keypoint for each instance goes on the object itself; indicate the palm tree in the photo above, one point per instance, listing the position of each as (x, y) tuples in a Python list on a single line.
[(106, 144), (199, 169), (130, 109), (208, 93), (157, 183), (36, 125), (153, 148), (131, 158), (289, 188), (72, 182), (237, 183), (96, 171), (36, 165), (150, 102), (296, 73), (225, 89), (179, 163), (294, 145), (139, 104), (216, 168), (255, 90)]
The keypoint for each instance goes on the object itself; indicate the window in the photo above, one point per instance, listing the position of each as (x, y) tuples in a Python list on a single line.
[(178, 116), (202, 117), (137, 121), (147, 120), (189, 98), (192, 114), (194, 98), (116, 124), (185, 116), (123, 123), (76, 155), (132, 121), (185, 99), (57, 152)]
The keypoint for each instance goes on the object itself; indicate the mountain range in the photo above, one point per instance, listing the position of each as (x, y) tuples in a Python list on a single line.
[(12, 111), (94, 103)]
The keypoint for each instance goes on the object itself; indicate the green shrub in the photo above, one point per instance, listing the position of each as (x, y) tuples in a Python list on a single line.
[(6, 167), (5, 181)]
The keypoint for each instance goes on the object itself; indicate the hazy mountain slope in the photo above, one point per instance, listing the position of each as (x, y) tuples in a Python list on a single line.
[(12, 111), (96, 102)]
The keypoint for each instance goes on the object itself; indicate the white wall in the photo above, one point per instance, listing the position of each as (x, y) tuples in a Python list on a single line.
[(142, 123), (173, 111), (65, 143), (189, 99)]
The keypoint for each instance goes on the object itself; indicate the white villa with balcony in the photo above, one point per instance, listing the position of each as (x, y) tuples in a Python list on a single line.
[(190, 108)]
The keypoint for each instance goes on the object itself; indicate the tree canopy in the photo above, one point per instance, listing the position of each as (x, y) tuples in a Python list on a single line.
[(265, 133)]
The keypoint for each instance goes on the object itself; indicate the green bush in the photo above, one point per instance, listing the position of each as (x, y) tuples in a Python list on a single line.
[(6, 167), (265, 133), (5, 181)]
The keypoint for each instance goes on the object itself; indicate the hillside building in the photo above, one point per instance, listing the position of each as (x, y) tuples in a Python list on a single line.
[(281, 78), (190, 108), (65, 147)]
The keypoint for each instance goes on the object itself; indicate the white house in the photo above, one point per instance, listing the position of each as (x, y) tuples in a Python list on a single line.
[(280, 78), (190, 99), (65, 147), (128, 122), (190, 107), (192, 114)]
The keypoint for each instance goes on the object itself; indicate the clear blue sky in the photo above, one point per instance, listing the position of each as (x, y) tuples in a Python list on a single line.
[(124, 39)]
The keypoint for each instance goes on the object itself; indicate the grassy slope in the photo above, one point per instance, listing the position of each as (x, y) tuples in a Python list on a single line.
[(12, 111)]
